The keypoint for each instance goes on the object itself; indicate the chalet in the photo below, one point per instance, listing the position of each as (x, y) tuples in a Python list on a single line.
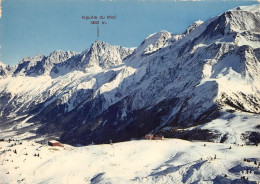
[(158, 137), (149, 136), (54, 143)]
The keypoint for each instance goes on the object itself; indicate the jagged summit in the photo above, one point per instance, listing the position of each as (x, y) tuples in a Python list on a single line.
[(40, 64), (59, 56), (103, 55)]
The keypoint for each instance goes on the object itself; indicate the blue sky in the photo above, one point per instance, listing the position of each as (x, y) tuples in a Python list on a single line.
[(31, 27)]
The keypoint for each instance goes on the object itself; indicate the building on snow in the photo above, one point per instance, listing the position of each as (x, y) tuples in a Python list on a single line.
[(54, 143)]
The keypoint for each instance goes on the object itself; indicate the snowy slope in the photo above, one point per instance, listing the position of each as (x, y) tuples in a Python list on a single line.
[(144, 161), (111, 92)]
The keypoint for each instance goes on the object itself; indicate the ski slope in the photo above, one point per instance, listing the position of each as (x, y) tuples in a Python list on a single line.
[(143, 161)]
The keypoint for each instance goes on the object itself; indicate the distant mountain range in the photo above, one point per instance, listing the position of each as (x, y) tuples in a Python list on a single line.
[(203, 84)]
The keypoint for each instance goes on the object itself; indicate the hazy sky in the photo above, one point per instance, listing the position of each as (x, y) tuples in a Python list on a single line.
[(31, 27)]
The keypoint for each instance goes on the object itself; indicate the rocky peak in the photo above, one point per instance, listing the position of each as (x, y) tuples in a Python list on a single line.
[(32, 59), (27, 64), (59, 56), (40, 64), (241, 20), (103, 55), (154, 42), (193, 26), (235, 21)]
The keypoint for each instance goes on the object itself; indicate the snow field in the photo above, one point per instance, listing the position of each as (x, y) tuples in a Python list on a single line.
[(144, 161)]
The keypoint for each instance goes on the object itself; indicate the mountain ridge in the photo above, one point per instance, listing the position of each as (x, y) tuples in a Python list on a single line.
[(111, 92)]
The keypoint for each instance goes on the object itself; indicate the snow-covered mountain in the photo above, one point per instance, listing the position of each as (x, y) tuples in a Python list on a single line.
[(170, 84), (41, 65)]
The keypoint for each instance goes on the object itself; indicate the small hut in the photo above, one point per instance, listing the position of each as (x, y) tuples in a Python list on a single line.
[(158, 137), (54, 143), (149, 136)]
